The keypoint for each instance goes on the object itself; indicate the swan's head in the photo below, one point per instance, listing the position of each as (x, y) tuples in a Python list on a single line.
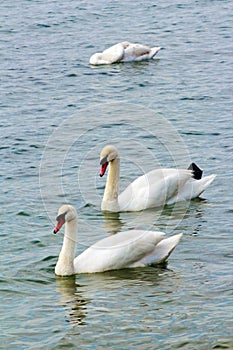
[(66, 213), (108, 154)]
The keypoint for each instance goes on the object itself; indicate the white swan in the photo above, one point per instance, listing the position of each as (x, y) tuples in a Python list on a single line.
[(124, 52), (134, 248), (154, 189)]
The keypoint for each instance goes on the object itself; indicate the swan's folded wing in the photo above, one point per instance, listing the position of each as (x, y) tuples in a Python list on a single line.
[(137, 50), (175, 181), (113, 54), (117, 251), (162, 250), (136, 196), (194, 188), (153, 189)]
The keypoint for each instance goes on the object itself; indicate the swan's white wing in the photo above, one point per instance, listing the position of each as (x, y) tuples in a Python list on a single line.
[(113, 54), (138, 52), (161, 251), (175, 181), (136, 195), (117, 251), (137, 49), (153, 189), (193, 188)]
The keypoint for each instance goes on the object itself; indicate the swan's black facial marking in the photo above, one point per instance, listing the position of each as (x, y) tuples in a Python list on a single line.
[(104, 160), (61, 216), (60, 222)]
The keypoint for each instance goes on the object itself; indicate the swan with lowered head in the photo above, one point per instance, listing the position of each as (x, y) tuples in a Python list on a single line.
[(154, 189), (124, 52), (134, 248)]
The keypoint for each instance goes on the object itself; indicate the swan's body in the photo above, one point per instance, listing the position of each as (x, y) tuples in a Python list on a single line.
[(124, 52), (134, 248), (154, 189)]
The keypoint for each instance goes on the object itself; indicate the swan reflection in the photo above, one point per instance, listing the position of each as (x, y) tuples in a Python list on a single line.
[(72, 300), (168, 219), (112, 222)]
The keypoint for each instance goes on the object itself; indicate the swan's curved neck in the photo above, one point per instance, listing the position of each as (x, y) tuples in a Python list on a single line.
[(110, 198), (65, 264)]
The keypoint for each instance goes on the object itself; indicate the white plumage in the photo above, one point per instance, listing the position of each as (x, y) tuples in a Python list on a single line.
[(124, 52), (134, 248), (154, 189)]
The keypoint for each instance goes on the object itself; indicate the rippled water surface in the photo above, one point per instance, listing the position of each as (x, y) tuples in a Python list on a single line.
[(57, 112)]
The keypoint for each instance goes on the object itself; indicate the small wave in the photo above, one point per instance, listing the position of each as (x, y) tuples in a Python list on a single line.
[(200, 133), (23, 213)]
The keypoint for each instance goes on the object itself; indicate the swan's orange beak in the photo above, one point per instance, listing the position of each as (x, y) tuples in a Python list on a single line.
[(104, 165), (103, 169), (60, 222)]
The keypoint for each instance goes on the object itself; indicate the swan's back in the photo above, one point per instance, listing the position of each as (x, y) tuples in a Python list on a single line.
[(117, 251), (153, 189), (138, 52), (111, 55)]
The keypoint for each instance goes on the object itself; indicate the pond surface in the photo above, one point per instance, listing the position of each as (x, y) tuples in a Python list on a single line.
[(57, 112)]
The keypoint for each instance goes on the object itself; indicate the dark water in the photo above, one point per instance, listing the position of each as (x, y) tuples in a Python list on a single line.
[(57, 113)]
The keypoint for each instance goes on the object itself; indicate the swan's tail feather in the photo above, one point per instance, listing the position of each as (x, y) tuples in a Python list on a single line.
[(197, 172), (162, 250), (204, 183), (166, 247), (154, 51)]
